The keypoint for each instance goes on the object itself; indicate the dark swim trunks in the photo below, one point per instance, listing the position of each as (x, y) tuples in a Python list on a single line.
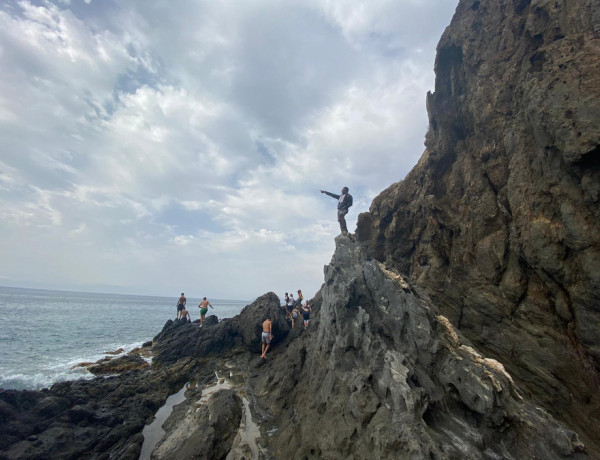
[(180, 306)]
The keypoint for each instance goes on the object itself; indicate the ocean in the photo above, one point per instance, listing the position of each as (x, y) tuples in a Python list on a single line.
[(45, 334)]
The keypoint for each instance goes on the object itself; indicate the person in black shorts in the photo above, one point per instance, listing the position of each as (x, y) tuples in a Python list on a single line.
[(181, 305)]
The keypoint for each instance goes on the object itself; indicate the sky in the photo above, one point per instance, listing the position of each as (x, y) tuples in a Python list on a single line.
[(153, 147)]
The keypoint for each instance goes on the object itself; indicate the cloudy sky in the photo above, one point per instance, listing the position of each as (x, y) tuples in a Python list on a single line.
[(153, 147)]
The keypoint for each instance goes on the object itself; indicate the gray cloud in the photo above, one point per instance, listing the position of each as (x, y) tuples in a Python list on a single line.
[(155, 147)]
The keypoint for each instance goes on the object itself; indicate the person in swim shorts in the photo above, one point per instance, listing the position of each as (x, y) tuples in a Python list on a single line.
[(204, 309), (266, 337), (181, 305)]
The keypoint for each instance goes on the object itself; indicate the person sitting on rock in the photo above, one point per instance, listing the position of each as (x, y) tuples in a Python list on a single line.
[(266, 337), (344, 203), (181, 304), (185, 315), (204, 309)]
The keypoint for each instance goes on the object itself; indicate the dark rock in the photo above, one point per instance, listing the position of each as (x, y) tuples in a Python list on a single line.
[(91, 419), (210, 321), (117, 365), (179, 340), (499, 221)]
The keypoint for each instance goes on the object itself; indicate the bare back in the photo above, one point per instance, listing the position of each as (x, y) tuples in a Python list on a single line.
[(267, 326)]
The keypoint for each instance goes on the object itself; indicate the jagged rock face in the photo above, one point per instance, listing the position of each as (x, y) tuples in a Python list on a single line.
[(500, 220), (383, 375)]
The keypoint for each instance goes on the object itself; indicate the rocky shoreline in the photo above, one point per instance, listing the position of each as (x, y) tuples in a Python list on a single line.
[(379, 367)]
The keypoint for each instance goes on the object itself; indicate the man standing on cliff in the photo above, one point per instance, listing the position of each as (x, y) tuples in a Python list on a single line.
[(181, 305), (267, 336), (344, 203)]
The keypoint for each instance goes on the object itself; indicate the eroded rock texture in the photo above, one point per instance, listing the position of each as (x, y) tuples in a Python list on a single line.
[(499, 223), (384, 375)]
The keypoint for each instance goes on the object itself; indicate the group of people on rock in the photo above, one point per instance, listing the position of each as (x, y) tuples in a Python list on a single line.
[(182, 312), (294, 308)]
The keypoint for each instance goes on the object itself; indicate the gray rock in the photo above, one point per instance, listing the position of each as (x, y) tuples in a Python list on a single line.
[(392, 378)]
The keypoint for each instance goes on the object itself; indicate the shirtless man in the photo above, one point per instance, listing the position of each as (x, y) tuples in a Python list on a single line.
[(185, 315), (204, 309), (267, 336), (181, 305)]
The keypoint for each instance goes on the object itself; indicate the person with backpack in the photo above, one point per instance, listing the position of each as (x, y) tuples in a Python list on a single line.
[(344, 203)]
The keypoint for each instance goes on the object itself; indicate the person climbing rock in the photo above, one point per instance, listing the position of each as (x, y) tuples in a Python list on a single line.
[(266, 337), (306, 310), (295, 316), (204, 309), (344, 203)]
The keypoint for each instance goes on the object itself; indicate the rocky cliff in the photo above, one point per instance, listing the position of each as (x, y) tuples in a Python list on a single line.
[(378, 373), (461, 321), (499, 223)]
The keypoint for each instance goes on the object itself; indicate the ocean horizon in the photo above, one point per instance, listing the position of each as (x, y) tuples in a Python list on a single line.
[(45, 334)]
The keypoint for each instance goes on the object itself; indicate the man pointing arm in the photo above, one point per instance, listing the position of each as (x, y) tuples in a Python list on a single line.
[(344, 203)]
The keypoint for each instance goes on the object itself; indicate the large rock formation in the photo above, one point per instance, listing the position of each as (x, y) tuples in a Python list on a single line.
[(499, 223), (384, 375), (378, 373)]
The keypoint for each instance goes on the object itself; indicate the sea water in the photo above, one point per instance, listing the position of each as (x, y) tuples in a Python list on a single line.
[(44, 335)]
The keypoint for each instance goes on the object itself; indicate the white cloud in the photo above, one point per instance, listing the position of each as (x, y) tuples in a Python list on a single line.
[(157, 147)]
